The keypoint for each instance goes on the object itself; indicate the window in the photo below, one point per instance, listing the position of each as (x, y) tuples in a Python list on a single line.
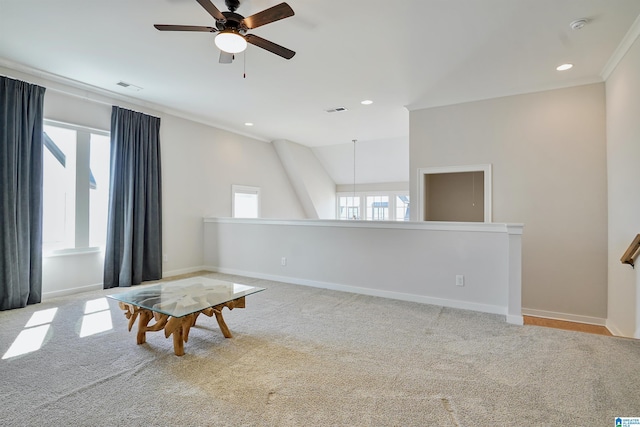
[(348, 207), (75, 187), (245, 202), (378, 206), (402, 207)]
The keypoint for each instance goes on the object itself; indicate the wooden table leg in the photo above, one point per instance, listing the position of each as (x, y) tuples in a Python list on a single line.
[(178, 327), (144, 318), (178, 341), (223, 326)]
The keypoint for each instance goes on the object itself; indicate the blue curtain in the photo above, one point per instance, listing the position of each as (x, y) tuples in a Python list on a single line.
[(133, 251), (21, 136)]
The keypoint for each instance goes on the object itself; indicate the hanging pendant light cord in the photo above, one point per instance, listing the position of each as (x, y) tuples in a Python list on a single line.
[(473, 196), (354, 177)]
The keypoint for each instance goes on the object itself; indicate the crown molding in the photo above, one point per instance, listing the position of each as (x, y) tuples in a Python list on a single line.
[(622, 49), (423, 105), (88, 92)]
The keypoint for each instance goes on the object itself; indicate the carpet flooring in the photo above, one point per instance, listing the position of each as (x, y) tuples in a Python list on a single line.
[(302, 356)]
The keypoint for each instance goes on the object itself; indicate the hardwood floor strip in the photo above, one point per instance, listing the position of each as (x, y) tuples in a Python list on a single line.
[(566, 325)]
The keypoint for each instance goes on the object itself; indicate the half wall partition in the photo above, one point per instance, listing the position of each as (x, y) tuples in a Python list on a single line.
[(473, 266)]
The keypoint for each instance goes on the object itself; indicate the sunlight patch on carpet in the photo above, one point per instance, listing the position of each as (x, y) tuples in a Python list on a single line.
[(32, 337), (28, 341), (95, 305), (41, 317), (97, 318)]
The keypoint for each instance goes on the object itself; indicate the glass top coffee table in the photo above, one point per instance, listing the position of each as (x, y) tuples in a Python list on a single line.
[(176, 305)]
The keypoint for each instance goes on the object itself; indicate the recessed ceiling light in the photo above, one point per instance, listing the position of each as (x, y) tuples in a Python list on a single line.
[(366, 102), (248, 124), (564, 67)]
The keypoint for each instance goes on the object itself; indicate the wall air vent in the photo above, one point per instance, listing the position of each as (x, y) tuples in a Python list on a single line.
[(129, 86), (336, 110)]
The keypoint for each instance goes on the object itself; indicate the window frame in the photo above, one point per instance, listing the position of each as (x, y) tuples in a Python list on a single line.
[(81, 221), (244, 189), (362, 196)]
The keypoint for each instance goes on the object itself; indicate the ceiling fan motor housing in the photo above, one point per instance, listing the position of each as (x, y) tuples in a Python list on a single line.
[(234, 21), (232, 5)]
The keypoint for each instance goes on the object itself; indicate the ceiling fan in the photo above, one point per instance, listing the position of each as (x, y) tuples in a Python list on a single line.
[(232, 29)]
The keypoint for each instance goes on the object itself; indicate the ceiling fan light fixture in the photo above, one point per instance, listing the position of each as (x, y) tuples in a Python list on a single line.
[(230, 41)]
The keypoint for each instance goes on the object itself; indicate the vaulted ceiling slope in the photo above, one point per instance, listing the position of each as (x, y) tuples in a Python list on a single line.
[(402, 54)]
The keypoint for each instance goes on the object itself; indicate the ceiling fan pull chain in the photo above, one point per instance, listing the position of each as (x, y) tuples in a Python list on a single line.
[(244, 74)]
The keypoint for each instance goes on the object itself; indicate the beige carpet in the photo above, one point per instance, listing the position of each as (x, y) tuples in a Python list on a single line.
[(302, 356)]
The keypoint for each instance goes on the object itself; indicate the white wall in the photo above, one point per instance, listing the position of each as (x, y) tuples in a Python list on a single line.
[(384, 160), (199, 165), (623, 166), (374, 187), (548, 152), (315, 189), (409, 261)]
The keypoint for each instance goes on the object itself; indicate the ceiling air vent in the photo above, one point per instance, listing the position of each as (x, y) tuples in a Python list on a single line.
[(336, 110), (129, 86)]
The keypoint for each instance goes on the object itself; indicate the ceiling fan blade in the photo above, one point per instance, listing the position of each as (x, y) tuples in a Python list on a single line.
[(212, 9), (270, 46), (275, 13), (163, 27), (225, 57)]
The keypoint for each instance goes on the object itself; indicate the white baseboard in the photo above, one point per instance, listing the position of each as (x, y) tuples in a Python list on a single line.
[(614, 329), (464, 305), (71, 291), (515, 320), (180, 271), (599, 321), (618, 332)]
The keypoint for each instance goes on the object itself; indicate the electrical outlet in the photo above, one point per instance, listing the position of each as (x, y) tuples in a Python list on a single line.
[(459, 280), (165, 258), (283, 261)]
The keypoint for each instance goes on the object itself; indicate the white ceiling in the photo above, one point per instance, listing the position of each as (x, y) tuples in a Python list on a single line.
[(401, 54)]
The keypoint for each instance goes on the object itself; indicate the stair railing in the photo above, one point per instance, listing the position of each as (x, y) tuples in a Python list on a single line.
[(632, 252)]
